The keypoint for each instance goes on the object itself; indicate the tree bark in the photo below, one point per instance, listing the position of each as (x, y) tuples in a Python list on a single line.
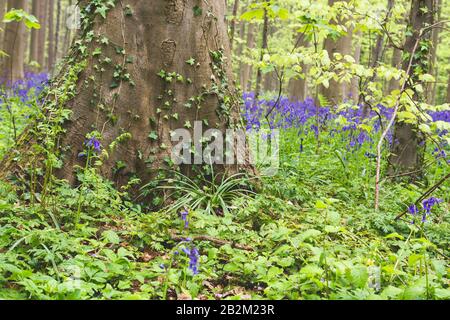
[(247, 70), (233, 22), (355, 81), (2, 13), (57, 29), (12, 67), (67, 33), (34, 47), (396, 63), (145, 44), (337, 92), (298, 87), (264, 46), (432, 87), (406, 153), (51, 35), (42, 33)]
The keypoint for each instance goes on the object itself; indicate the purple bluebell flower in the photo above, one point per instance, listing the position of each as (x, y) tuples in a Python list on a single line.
[(184, 216), (412, 209), (193, 255), (94, 144)]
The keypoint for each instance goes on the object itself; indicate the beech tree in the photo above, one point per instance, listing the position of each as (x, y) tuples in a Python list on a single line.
[(406, 155), (136, 73), (11, 66)]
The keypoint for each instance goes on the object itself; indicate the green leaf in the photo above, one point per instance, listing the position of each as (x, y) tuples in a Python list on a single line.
[(111, 237)]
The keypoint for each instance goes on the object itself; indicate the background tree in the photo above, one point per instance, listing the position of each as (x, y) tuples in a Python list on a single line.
[(12, 66), (406, 155)]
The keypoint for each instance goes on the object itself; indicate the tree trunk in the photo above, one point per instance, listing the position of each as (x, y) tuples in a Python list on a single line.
[(2, 13), (396, 63), (432, 87), (42, 33), (51, 35), (298, 87), (406, 154), (34, 47), (12, 66), (67, 33), (247, 70), (264, 45), (355, 81), (147, 89), (57, 29), (233, 21), (240, 50), (337, 92)]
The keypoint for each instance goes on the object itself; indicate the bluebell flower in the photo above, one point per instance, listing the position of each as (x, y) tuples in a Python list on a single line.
[(184, 216), (94, 144)]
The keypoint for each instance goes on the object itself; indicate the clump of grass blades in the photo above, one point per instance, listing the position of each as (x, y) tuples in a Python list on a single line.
[(213, 195)]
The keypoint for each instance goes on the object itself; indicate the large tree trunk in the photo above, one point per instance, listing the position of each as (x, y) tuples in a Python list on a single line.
[(12, 65), (145, 44), (337, 92), (406, 156)]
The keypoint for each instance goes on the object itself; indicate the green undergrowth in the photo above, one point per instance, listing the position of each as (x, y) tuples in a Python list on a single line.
[(308, 234)]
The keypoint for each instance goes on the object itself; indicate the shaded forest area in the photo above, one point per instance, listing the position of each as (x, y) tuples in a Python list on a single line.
[(225, 150)]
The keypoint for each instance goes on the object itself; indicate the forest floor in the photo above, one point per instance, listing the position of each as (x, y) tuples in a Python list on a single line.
[(309, 232)]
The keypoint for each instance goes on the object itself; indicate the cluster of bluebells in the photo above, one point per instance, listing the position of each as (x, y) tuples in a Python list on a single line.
[(28, 88), (305, 117), (427, 205), (192, 253)]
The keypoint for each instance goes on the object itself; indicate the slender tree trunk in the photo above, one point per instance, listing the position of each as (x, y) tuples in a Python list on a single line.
[(298, 87), (355, 81), (144, 91), (432, 87), (67, 33), (57, 30), (396, 63), (264, 46), (42, 33), (12, 67), (239, 52), (247, 71), (233, 21), (51, 35), (34, 46), (406, 153), (337, 92), (2, 13)]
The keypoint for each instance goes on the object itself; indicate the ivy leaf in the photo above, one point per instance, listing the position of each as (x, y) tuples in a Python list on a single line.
[(153, 135)]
